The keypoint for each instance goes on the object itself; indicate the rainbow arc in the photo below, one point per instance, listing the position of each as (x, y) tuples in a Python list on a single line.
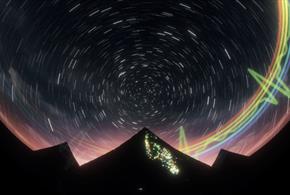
[(270, 85)]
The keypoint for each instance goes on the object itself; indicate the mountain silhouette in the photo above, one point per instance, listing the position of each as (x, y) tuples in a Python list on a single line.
[(28, 171), (133, 169), (129, 169), (265, 171)]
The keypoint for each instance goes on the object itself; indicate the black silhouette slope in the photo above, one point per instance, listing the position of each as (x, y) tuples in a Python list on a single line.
[(22, 168), (230, 159), (129, 167), (274, 149), (265, 171)]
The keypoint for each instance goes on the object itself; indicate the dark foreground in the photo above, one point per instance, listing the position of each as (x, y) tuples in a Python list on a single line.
[(129, 170)]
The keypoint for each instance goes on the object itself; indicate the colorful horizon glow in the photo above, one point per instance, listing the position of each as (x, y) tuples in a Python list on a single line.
[(258, 103), (69, 104)]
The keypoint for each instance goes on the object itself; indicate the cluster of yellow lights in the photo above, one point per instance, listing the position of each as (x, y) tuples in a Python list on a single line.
[(157, 152)]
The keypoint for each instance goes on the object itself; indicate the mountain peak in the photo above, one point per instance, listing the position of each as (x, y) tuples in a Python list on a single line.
[(145, 149), (143, 132), (227, 158)]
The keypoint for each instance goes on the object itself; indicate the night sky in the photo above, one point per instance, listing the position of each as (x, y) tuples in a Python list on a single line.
[(95, 72)]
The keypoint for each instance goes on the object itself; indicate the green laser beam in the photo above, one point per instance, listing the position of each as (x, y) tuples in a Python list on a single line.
[(278, 85)]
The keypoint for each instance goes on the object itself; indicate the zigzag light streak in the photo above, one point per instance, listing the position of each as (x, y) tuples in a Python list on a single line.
[(254, 108)]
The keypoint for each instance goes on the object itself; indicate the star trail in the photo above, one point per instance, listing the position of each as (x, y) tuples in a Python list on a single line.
[(93, 73)]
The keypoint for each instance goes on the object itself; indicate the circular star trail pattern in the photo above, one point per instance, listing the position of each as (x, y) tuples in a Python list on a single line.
[(94, 73)]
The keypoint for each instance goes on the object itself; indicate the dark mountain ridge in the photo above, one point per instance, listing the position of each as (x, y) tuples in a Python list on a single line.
[(129, 169)]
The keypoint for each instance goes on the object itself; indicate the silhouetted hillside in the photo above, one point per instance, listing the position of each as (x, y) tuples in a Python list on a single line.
[(143, 164), (133, 169), (264, 172), (33, 172)]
